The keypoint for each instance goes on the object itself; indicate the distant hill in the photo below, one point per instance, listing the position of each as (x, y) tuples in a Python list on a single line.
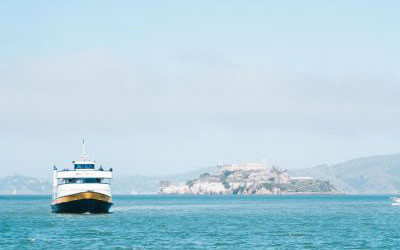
[(136, 184), (19, 184), (367, 175)]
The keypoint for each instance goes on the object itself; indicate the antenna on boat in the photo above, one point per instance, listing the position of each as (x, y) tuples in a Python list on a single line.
[(83, 154), (83, 146)]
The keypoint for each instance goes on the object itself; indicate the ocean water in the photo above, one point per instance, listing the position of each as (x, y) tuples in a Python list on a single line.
[(205, 222)]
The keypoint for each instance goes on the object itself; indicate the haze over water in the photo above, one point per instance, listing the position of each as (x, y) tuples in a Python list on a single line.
[(199, 222)]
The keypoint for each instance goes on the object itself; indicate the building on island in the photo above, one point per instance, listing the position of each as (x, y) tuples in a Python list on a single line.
[(244, 166), (302, 178)]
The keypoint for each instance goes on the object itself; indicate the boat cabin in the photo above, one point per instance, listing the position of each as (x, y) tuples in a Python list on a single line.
[(83, 165)]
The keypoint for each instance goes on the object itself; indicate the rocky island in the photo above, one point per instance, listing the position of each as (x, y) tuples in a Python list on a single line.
[(249, 178)]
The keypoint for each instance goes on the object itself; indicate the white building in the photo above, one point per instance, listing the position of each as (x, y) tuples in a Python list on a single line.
[(244, 166), (302, 178)]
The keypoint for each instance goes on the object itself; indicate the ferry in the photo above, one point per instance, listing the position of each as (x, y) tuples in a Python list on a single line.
[(395, 201), (84, 189)]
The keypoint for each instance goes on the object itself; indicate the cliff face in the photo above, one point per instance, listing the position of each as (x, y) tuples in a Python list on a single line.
[(267, 181)]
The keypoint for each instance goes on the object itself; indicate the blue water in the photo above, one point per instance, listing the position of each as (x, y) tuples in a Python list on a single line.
[(203, 222)]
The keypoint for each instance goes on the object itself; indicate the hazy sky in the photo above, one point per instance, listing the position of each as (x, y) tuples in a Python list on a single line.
[(160, 87)]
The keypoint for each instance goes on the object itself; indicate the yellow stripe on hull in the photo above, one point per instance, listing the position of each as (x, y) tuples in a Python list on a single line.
[(83, 196)]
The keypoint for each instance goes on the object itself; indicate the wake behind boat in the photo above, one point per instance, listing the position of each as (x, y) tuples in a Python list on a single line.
[(83, 189)]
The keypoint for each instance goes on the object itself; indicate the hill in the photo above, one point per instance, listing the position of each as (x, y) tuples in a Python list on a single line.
[(366, 175), (19, 184)]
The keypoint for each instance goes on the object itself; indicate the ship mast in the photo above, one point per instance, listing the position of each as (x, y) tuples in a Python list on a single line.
[(83, 146), (83, 154)]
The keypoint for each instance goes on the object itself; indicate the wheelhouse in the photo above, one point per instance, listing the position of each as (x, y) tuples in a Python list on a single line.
[(83, 165)]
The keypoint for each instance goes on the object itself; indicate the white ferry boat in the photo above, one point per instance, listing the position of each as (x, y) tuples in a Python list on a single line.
[(395, 201), (84, 189)]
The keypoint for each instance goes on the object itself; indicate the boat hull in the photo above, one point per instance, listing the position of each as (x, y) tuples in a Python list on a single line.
[(82, 206), (85, 202)]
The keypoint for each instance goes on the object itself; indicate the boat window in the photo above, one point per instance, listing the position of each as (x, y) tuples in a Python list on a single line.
[(84, 166), (91, 180), (84, 180), (105, 181), (67, 181)]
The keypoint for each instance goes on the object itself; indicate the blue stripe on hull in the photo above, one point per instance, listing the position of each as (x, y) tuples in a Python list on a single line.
[(82, 206)]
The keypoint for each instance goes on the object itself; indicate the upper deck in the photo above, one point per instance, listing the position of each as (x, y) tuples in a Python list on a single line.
[(85, 167), (84, 174)]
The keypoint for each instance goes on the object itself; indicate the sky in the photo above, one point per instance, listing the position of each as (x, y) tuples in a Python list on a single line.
[(163, 87)]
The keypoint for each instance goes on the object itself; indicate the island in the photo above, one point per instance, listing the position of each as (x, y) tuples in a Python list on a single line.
[(249, 178)]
